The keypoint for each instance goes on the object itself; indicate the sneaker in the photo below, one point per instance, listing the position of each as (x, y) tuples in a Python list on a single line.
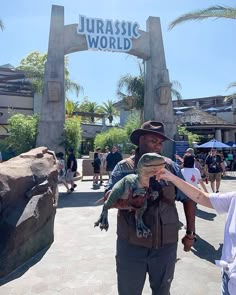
[(217, 191), (71, 189), (75, 185)]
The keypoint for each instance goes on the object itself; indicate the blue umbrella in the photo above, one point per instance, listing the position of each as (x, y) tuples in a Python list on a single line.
[(214, 144)]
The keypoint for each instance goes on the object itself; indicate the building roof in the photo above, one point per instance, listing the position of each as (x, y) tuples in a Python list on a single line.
[(201, 118), (14, 81)]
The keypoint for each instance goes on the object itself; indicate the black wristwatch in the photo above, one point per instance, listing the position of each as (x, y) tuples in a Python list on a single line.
[(190, 232)]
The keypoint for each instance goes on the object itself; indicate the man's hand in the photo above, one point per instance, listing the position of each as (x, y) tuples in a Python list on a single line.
[(188, 242)]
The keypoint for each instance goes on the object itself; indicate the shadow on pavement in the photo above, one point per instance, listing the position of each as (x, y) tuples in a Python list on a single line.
[(78, 199), (205, 215), (24, 268), (206, 251)]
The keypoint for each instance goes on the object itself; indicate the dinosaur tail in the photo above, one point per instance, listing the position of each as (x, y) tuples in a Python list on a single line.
[(104, 198), (100, 200)]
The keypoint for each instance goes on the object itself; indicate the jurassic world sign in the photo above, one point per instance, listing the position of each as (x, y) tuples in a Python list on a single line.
[(107, 34)]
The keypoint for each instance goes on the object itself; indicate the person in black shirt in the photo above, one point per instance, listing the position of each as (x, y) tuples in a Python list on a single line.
[(71, 169), (96, 168), (214, 166), (112, 159)]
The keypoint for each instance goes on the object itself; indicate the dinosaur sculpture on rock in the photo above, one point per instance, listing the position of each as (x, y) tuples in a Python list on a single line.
[(133, 191)]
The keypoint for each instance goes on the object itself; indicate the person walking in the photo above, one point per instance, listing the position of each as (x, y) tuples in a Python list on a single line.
[(96, 167), (112, 159), (61, 170), (156, 254), (71, 169), (223, 203), (214, 166), (191, 174)]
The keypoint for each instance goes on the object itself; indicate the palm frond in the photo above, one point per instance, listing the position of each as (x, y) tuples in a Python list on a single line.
[(73, 86), (230, 97), (217, 11), (1, 25), (233, 84)]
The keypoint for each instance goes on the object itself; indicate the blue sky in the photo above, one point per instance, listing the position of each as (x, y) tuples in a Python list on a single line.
[(200, 55)]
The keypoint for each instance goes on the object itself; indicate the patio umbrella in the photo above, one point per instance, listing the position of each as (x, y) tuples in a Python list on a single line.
[(214, 144)]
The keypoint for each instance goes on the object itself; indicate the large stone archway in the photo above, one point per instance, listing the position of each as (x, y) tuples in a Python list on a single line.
[(66, 39)]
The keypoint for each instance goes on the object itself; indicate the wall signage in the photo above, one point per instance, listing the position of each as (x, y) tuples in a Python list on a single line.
[(107, 34)]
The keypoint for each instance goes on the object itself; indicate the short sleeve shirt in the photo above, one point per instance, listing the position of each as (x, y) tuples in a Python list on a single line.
[(214, 163)]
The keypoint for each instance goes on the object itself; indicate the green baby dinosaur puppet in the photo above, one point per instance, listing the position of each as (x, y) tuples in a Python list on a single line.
[(133, 189)]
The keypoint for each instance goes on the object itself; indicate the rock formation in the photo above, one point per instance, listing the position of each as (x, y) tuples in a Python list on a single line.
[(28, 198)]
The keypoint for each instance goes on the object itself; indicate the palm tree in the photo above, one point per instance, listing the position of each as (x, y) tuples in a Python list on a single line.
[(109, 110), (34, 66), (133, 87), (71, 106), (134, 91), (1, 25), (217, 11), (89, 107)]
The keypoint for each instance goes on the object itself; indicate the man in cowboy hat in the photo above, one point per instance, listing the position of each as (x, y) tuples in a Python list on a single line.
[(156, 254)]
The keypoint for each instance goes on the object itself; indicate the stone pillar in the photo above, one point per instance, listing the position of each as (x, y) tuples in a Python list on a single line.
[(52, 118), (158, 103), (218, 135), (226, 136)]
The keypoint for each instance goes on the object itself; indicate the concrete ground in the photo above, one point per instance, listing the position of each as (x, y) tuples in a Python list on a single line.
[(81, 259)]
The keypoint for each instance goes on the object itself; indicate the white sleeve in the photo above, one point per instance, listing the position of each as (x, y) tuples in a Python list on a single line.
[(221, 201), (199, 177)]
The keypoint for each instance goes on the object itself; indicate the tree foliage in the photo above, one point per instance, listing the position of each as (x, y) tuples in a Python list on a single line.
[(72, 132), (191, 136), (1, 25), (22, 132), (71, 106), (119, 136), (34, 66), (216, 11), (131, 90), (132, 123), (109, 110), (91, 107)]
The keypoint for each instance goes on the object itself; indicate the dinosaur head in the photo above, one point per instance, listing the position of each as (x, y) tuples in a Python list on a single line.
[(150, 163)]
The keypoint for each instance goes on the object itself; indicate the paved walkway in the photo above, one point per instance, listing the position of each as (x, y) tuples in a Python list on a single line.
[(81, 259)]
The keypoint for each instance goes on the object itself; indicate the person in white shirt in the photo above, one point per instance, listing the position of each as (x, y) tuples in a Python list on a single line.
[(190, 173), (222, 203)]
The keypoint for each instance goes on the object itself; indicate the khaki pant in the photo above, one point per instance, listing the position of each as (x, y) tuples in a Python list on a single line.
[(214, 176)]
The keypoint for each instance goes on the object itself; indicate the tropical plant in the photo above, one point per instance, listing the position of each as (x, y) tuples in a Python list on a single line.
[(89, 107), (71, 106), (131, 90), (34, 66), (22, 132), (181, 130), (72, 136), (109, 110), (113, 136), (1, 25), (134, 90), (216, 11), (132, 123)]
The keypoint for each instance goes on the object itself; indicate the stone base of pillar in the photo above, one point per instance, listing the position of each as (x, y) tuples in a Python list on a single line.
[(48, 131)]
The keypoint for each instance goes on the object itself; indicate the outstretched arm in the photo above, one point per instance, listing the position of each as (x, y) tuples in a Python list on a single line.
[(191, 191)]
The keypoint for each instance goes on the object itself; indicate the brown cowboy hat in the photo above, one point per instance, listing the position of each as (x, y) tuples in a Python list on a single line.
[(149, 127)]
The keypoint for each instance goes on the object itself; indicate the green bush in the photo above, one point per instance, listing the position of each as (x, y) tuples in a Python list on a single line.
[(72, 134), (132, 123), (110, 137), (119, 136), (22, 132)]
